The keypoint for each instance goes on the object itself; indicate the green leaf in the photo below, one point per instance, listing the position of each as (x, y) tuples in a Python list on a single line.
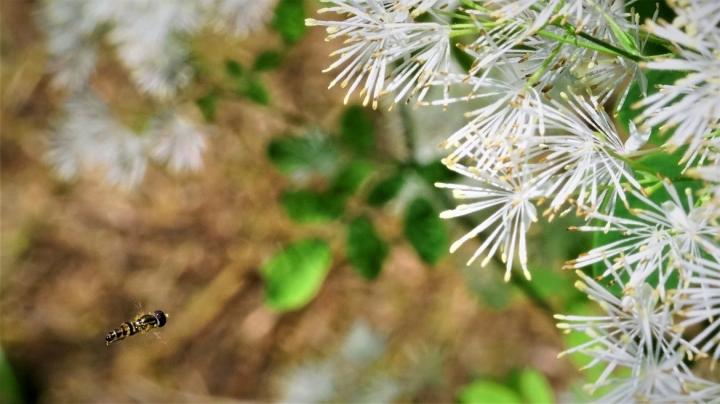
[(350, 178), (425, 231), (386, 189), (268, 60), (357, 130), (366, 251), (289, 20), (311, 207), (294, 275), (208, 105), (234, 69), (310, 152), (255, 90), (534, 387), (486, 392)]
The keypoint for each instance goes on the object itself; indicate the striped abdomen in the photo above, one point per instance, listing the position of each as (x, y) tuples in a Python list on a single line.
[(126, 329)]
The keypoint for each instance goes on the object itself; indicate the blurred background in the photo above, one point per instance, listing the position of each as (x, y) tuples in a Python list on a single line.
[(304, 262)]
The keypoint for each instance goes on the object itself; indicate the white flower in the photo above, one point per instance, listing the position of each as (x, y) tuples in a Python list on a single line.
[(699, 302), (509, 35), (654, 240), (500, 133), (149, 36), (691, 105), (179, 143), (583, 156), (89, 137), (511, 212), (378, 35), (70, 39), (239, 17), (634, 332)]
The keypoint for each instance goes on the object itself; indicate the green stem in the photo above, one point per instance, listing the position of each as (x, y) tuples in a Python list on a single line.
[(621, 52), (546, 64), (571, 36)]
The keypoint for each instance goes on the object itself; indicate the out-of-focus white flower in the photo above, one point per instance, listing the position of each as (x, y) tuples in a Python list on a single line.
[(239, 17), (509, 202), (655, 240), (70, 40), (634, 332), (89, 138), (178, 143), (691, 105), (379, 34), (149, 36)]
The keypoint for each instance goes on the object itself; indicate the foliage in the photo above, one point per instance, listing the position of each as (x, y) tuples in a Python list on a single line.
[(294, 275)]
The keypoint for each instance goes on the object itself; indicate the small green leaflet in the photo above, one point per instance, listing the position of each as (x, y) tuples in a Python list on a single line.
[(425, 230), (294, 275), (366, 251)]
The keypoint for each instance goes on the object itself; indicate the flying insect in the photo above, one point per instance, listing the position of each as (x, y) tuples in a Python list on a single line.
[(141, 324)]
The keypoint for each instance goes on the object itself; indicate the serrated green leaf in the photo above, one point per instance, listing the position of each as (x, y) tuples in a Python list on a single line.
[(357, 131), (350, 178), (289, 20), (268, 60), (366, 251), (308, 153), (425, 231), (208, 105), (294, 275), (486, 392), (311, 207), (386, 189), (534, 388)]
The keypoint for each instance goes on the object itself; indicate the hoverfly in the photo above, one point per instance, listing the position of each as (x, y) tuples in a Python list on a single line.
[(142, 323)]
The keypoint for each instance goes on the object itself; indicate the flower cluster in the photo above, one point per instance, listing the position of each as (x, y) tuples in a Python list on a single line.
[(89, 138), (150, 40), (545, 81)]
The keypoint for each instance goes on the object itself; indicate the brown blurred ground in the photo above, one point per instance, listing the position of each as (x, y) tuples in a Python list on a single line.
[(78, 258)]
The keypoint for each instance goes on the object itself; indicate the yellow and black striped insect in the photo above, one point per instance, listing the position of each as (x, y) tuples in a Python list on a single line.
[(142, 323)]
